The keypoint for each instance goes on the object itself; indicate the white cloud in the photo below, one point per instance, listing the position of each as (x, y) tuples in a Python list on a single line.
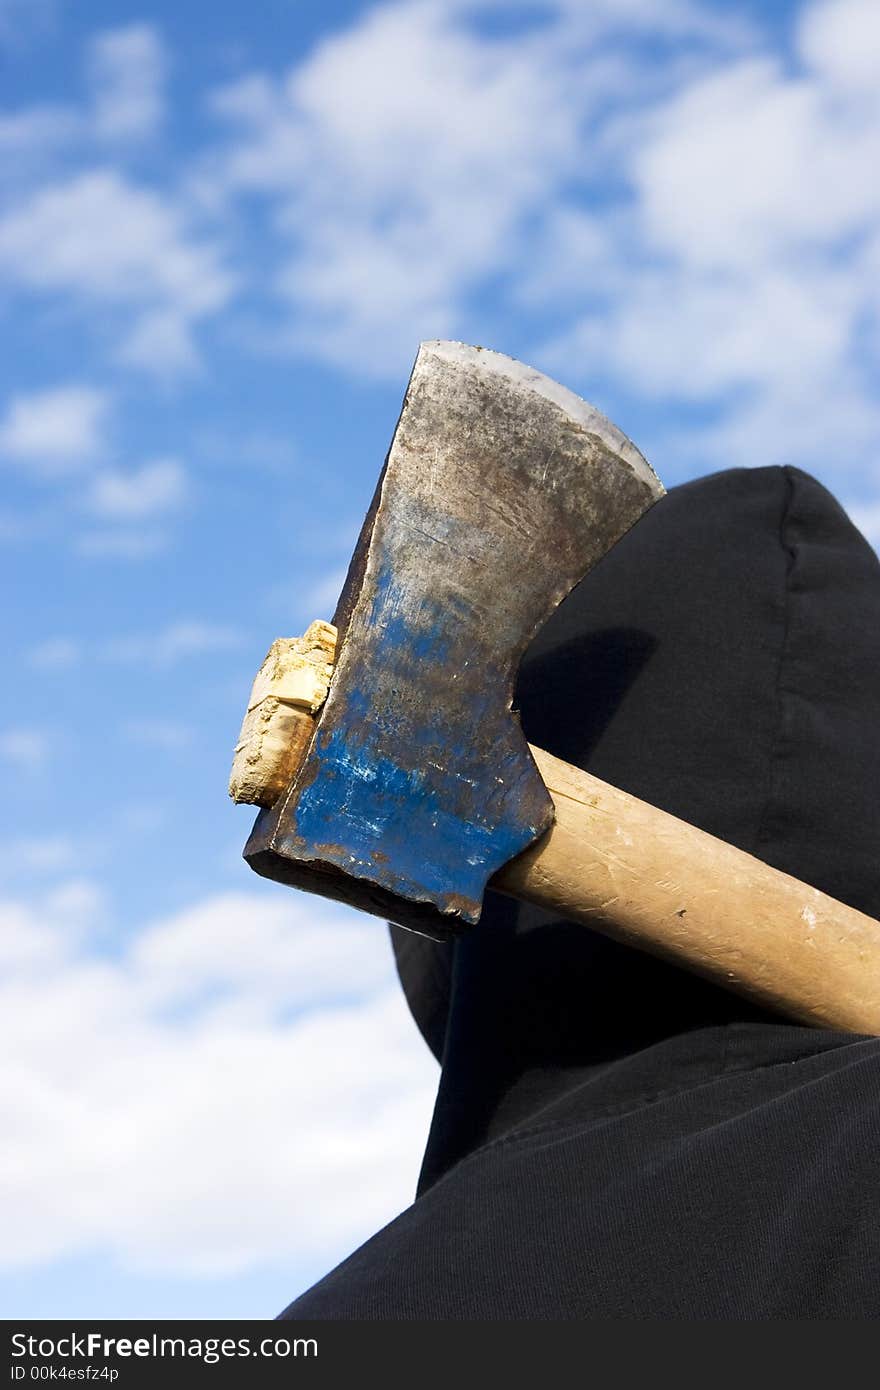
[(109, 243), (148, 491), (323, 595), (31, 138), (841, 40), (141, 817), (185, 638), (57, 429), (126, 68), (161, 342), (51, 854), (258, 1050), (397, 196), (55, 654), (177, 641), (258, 451), (866, 515), (123, 254), (168, 735), (125, 71), (696, 205), (705, 228), (77, 903), (737, 269), (62, 430), (398, 199), (116, 544), (729, 173), (26, 749)]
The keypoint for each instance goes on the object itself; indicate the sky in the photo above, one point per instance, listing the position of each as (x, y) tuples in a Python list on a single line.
[(223, 233)]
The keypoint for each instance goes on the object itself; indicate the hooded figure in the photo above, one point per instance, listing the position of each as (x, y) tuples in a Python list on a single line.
[(614, 1137)]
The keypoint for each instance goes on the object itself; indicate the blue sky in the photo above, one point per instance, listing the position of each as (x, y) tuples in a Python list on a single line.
[(223, 234)]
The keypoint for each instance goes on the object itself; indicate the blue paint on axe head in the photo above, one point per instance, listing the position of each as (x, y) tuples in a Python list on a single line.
[(500, 491)]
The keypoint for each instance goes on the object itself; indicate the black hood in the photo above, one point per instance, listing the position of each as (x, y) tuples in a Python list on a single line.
[(723, 663)]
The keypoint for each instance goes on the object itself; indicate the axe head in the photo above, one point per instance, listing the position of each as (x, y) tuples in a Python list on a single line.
[(500, 491)]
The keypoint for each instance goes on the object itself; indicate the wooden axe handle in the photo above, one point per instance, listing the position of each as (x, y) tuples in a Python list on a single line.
[(638, 874), (624, 867)]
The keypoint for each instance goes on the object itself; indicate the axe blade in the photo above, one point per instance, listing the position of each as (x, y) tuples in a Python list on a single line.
[(500, 491)]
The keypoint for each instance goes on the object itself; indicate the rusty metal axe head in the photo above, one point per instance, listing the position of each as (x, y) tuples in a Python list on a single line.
[(500, 491)]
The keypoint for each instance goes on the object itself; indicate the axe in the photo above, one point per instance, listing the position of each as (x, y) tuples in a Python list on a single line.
[(392, 771)]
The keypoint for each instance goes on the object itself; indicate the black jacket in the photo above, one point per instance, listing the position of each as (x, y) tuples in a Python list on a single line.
[(614, 1138)]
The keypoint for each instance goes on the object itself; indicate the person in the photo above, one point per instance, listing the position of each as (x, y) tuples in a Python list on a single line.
[(614, 1137)]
